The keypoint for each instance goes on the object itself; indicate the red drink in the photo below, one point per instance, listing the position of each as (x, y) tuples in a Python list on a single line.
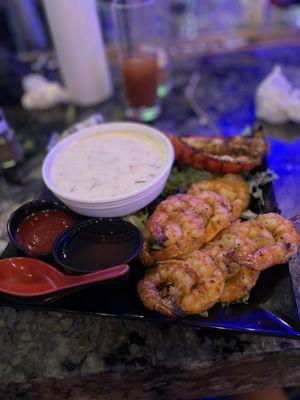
[(141, 79)]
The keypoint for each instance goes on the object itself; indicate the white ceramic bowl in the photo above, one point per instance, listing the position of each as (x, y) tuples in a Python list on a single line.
[(125, 203)]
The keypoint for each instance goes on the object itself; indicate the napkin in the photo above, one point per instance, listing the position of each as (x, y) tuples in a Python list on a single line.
[(40, 93), (276, 100)]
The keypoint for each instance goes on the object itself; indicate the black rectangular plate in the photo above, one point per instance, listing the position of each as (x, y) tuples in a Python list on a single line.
[(271, 309)]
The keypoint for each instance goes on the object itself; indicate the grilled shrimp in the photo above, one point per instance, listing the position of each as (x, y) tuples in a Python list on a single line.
[(239, 241), (179, 287), (252, 245), (175, 229), (165, 287), (221, 212), (232, 245), (210, 280), (232, 187), (181, 224), (238, 286), (285, 243)]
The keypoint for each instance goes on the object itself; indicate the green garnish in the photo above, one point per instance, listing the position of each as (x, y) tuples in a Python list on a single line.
[(139, 218), (155, 245), (245, 298), (204, 314), (242, 300), (248, 214), (258, 180), (247, 131), (181, 180)]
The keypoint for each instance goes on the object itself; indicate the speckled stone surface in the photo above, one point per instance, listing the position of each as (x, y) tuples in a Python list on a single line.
[(47, 355)]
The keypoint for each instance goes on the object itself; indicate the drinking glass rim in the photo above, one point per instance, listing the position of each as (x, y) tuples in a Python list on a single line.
[(136, 4)]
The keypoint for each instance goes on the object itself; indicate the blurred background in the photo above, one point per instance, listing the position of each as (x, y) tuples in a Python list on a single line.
[(269, 30), (221, 24)]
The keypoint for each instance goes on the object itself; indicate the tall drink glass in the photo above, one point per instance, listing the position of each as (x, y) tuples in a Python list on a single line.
[(137, 52)]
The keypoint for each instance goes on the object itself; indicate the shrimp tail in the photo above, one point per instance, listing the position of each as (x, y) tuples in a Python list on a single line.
[(173, 311)]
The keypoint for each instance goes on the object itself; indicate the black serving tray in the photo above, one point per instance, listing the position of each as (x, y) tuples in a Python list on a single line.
[(270, 310)]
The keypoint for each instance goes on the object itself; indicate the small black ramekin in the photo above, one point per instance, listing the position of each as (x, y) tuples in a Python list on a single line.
[(109, 227), (25, 211)]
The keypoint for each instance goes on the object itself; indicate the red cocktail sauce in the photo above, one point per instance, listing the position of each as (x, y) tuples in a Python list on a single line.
[(38, 231)]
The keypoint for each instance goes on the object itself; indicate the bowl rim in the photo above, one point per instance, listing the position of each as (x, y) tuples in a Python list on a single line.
[(30, 205), (66, 233), (101, 128)]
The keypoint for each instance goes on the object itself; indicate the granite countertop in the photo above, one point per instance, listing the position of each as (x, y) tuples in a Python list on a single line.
[(61, 355)]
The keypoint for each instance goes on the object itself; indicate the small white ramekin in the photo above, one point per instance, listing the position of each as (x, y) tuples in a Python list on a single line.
[(125, 203)]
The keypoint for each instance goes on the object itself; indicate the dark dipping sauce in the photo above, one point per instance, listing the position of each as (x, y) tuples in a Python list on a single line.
[(38, 231), (96, 245)]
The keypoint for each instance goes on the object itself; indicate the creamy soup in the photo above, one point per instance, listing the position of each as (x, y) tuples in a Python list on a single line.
[(107, 165)]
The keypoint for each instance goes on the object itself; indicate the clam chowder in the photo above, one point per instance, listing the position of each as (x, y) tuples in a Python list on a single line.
[(107, 165)]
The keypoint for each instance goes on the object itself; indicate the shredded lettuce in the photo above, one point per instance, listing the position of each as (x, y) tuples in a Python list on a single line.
[(139, 218), (247, 131), (248, 214), (245, 298), (181, 180), (263, 177), (258, 180), (242, 300), (155, 245), (204, 314)]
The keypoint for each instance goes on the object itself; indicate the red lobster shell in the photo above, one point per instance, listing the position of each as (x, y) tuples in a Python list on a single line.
[(233, 154)]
